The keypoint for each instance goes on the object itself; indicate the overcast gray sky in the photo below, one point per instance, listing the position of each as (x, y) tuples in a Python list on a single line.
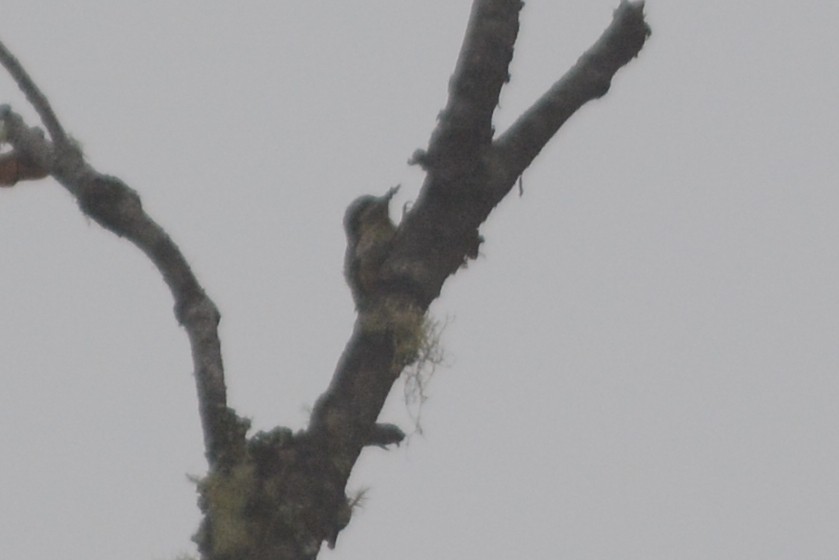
[(642, 364)]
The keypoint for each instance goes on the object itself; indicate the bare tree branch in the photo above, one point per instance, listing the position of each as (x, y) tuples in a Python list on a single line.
[(589, 79), (465, 125), (441, 231), (116, 207)]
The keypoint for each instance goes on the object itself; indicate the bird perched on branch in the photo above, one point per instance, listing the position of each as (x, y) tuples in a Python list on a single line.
[(369, 236)]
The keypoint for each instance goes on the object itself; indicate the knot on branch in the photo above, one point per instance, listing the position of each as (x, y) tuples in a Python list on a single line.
[(110, 202), (197, 311)]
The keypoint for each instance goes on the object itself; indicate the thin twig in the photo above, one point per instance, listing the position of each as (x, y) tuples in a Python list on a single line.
[(34, 96)]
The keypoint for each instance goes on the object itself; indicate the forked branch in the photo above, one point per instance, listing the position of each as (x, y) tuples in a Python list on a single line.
[(468, 175)]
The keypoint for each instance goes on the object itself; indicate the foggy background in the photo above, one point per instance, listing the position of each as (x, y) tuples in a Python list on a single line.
[(641, 365)]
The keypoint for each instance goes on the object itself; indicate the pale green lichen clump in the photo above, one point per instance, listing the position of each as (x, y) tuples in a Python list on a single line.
[(413, 332), (227, 497)]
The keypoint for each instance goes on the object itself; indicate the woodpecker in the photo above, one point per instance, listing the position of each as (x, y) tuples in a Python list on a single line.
[(369, 236)]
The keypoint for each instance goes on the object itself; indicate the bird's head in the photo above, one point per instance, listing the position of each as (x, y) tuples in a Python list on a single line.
[(368, 210)]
